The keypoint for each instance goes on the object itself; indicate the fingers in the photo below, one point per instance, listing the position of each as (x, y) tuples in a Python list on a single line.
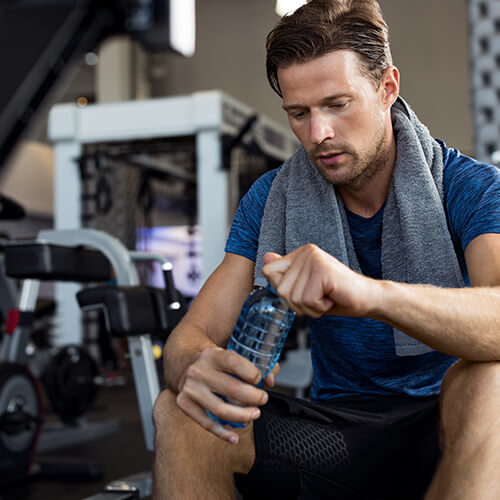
[(215, 404), (303, 279), (314, 283), (201, 385), (231, 362), (226, 373), (279, 264), (271, 377), (193, 410), (297, 282), (270, 257), (306, 289), (214, 377)]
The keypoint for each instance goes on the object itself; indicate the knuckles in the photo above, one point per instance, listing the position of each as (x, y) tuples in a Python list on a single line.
[(209, 352), (310, 247), (237, 365), (188, 391), (233, 361), (193, 372)]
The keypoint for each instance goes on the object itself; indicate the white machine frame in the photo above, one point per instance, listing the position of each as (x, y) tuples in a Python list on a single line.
[(205, 115), (140, 348)]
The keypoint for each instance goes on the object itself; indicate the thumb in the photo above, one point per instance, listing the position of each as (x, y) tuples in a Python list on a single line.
[(271, 257)]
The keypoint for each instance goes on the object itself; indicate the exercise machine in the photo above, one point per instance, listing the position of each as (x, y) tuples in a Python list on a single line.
[(61, 32), (132, 311), (69, 379)]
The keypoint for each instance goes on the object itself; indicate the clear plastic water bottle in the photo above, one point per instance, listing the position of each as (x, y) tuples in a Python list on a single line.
[(260, 333)]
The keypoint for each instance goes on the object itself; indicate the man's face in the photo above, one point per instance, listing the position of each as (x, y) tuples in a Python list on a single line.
[(338, 115)]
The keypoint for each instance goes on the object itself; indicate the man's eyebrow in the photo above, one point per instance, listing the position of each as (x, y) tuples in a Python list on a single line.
[(329, 98), (288, 107), (334, 97)]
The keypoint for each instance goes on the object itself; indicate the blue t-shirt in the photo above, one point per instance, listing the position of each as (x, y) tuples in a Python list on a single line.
[(356, 356)]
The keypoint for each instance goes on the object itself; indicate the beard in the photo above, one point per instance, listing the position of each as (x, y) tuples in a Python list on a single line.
[(356, 168)]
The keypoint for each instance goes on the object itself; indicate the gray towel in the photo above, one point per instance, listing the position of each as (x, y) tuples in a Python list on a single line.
[(302, 207)]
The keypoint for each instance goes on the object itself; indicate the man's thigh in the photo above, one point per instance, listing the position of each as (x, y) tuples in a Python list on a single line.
[(384, 448)]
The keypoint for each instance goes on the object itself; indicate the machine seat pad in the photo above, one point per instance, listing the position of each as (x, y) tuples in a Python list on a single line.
[(48, 262), (130, 310)]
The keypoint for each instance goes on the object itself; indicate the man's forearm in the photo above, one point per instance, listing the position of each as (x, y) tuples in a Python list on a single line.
[(461, 322), (210, 318)]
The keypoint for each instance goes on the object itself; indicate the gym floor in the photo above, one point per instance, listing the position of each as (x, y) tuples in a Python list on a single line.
[(119, 455)]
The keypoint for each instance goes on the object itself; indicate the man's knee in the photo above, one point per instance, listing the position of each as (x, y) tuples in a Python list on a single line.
[(469, 380), (163, 409), (175, 431), (470, 397)]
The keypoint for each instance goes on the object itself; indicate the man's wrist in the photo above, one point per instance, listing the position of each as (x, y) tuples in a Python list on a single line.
[(383, 299)]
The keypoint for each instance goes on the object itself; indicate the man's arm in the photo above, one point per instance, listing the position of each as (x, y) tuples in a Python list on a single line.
[(196, 365), (461, 322)]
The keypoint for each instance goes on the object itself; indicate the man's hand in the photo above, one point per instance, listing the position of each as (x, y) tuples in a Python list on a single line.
[(212, 374), (314, 283), (460, 322)]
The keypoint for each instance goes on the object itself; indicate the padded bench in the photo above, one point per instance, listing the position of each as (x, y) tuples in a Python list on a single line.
[(49, 262)]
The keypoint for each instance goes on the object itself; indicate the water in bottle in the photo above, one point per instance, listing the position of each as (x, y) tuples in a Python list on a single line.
[(260, 333)]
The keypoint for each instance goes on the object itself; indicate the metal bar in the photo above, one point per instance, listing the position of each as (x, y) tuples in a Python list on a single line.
[(17, 342), (147, 386)]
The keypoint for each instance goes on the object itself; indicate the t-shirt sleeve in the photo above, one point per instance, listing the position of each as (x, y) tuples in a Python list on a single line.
[(472, 193), (243, 236)]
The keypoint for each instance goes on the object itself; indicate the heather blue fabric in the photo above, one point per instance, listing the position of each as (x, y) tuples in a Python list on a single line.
[(366, 236), (356, 356)]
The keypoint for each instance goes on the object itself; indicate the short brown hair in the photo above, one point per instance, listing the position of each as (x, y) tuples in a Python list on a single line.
[(322, 26)]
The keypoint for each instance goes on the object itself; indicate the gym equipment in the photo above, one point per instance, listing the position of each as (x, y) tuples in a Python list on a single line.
[(132, 487), (152, 307), (69, 376), (20, 421), (9, 210), (206, 118), (61, 32), (32, 262), (132, 311), (69, 382), (136, 132)]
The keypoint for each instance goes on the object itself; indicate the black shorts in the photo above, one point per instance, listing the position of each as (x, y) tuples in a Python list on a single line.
[(348, 449)]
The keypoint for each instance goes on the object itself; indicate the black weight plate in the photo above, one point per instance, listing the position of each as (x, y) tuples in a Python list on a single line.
[(70, 382), (18, 392)]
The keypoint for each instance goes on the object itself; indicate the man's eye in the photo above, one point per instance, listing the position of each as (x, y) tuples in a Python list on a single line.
[(298, 115), (338, 105)]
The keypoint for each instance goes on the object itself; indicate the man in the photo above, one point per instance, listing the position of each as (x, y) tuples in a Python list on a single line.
[(374, 230)]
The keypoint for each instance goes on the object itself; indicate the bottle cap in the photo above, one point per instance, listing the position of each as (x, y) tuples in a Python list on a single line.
[(272, 289)]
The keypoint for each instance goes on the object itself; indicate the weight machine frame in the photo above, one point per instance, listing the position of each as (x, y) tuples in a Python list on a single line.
[(147, 386), (207, 116)]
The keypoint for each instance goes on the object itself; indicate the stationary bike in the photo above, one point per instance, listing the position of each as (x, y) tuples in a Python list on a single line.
[(20, 391)]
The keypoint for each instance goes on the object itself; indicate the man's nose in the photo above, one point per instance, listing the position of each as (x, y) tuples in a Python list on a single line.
[(321, 128)]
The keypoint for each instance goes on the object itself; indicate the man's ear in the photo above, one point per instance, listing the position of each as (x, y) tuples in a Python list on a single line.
[(389, 86)]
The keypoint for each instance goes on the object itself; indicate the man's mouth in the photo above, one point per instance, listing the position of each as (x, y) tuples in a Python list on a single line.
[(330, 158)]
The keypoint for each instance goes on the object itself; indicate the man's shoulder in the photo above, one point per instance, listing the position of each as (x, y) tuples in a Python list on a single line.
[(460, 166), (244, 234), (255, 198), (263, 184), (472, 196)]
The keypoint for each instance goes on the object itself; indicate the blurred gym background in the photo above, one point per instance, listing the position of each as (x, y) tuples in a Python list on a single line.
[(120, 145)]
